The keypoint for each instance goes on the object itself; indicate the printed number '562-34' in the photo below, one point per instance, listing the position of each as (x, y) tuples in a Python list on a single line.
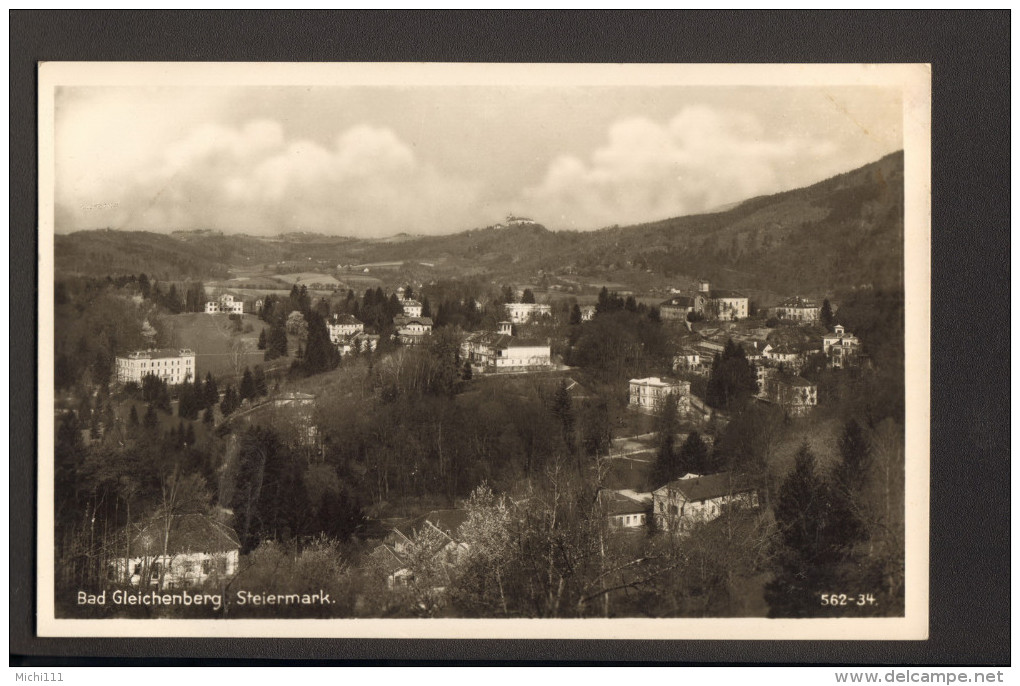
[(847, 599)]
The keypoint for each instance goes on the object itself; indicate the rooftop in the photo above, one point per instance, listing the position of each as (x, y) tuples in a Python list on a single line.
[(791, 380), (404, 320), (160, 353), (190, 533), (797, 301), (708, 487), (681, 301), (655, 381), (718, 293), (447, 521)]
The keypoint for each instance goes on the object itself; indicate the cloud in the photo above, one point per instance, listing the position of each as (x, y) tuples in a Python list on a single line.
[(701, 159), (253, 178)]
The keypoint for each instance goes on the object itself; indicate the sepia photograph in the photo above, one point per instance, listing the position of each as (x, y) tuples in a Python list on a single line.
[(462, 351)]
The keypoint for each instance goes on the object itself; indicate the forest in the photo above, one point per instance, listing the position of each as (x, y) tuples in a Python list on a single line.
[(405, 430)]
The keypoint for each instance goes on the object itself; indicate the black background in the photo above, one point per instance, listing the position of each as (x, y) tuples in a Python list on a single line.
[(970, 494)]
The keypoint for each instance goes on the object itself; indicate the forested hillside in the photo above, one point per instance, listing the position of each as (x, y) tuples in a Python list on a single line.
[(843, 232)]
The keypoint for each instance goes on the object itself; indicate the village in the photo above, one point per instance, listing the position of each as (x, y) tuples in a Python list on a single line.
[(705, 327)]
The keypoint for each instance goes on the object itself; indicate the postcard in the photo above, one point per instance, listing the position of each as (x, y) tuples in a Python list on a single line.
[(484, 350)]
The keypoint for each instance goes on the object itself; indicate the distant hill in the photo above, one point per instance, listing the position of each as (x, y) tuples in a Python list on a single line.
[(844, 231)]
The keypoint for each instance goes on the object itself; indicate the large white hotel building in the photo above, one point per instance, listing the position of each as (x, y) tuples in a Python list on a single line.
[(169, 364)]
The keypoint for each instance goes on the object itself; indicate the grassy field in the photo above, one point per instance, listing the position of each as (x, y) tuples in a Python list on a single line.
[(307, 278), (218, 348), (630, 472)]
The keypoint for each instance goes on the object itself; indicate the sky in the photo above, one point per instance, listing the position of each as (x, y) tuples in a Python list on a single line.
[(432, 159)]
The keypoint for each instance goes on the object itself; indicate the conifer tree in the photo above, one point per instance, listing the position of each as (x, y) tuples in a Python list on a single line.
[(212, 393), (262, 339), (260, 381), (825, 316), (276, 345), (230, 401), (150, 420), (809, 547), (246, 390), (667, 459), (564, 411), (694, 455), (320, 353)]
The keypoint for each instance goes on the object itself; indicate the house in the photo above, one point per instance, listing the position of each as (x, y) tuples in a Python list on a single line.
[(364, 342), (648, 394), (172, 365), (707, 350), (412, 308), (343, 326), (491, 352), (785, 354), (677, 308), (521, 313), (684, 503), (624, 511), (799, 309), (198, 549), (438, 529), (292, 414), (587, 313), (721, 304), (226, 304), (412, 330), (840, 347), (796, 395), (729, 305), (688, 360)]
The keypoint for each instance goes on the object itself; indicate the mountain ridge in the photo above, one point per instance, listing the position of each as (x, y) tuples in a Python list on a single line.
[(843, 231)]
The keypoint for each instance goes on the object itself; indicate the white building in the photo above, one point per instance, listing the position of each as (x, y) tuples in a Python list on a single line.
[(796, 395), (520, 313), (199, 549), (624, 511), (412, 330), (412, 308), (692, 500), (490, 352), (647, 395), (343, 326), (687, 360), (799, 309), (729, 305), (511, 220), (678, 307), (174, 366), (226, 303), (840, 347)]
